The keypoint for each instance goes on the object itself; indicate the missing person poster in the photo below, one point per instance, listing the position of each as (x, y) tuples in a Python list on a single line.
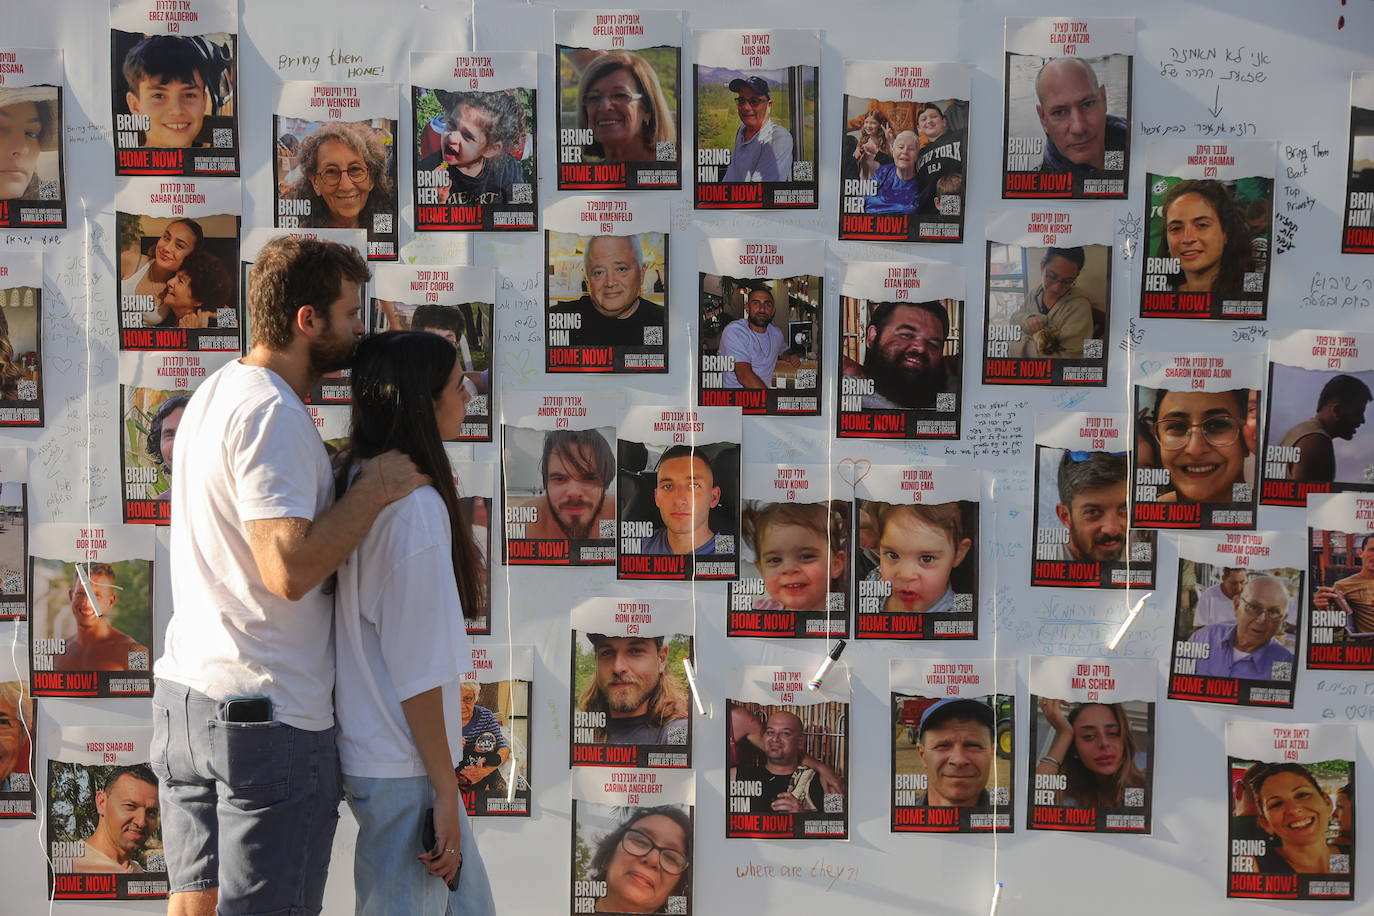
[(902, 168), (473, 115), (795, 554), (18, 725), (760, 326), (1319, 388), (953, 734), (787, 754), (630, 698), (1092, 738), (332, 423), (559, 478), (476, 483), (1291, 829), (494, 770), (21, 347), (104, 834), (607, 285), (916, 561), (91, 620), (756, 119), (901, 350), (1083, 532), (1196, 422), (174, 87), (1340, 535), (178, 254), (1357, 230), (679, 493), (1048, 298), (619, 99), (334, 149), (1208, 229), (619, 817), (1067, 107), (32, 188), (334, 387), (1236, 632), (14, 534), (154, 389), (455, 303)]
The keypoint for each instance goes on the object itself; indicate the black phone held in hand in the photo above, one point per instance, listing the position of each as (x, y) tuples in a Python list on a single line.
[(428, 844)]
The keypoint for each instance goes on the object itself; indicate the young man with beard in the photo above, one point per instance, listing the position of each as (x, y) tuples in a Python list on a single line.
[(1340, 412), (577, 468), (1092, 505), (905, 356), (642, 702), (754, 343), (243, 713)]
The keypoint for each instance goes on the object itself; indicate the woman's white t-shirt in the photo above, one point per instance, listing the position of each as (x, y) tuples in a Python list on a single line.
[(398, 632)]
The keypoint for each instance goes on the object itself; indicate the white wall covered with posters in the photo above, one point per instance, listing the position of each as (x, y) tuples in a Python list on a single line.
[(1302, 103)]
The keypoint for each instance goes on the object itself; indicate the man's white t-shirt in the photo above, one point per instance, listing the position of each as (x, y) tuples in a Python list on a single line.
[(247, 449), (399, 628), (760, 351)]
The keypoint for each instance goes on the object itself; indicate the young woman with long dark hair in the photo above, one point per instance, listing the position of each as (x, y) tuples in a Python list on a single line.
[(401, 641)]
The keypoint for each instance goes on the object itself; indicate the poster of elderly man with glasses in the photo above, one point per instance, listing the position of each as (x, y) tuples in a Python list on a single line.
[(1195, 423), (1247, 658), (1049, 282)]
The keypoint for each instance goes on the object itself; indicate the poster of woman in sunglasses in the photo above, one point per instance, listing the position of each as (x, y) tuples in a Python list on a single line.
[(1315, 439), (1236, 633), (902, 166), (1049, 298), (619, 85), (756, 121), (474, 120), (174, 87), (1083, 532), (632, 840), (32, 191), (1196, 419), (1208, 229), (336, 160), (1291, 829)]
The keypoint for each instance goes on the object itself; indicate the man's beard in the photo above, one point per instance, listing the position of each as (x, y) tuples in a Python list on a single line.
[(910, 388), (327, 356), (1088, 551), (631, 700), (579, 532), (758, 321)]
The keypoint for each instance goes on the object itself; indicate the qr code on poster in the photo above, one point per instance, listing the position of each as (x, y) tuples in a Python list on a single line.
[(963, 604), (1242, 492), (156, 863), (1092, 349), (725, 543), (522, 193), (1281, 671), (1142, 550), (28, 390), (1114, 160), (665, 151), (381, 222), (47, 189), (1134, 796), (834, 803), (225, 318), (653, 336), (803, 171), (605, 528), (676, 904), (138, 661), (14, 583), (222, 137), (806, 378), (950, 204), (1369, 473), (1340, 864), (945, 401), (1001, 795), (1253, 282)]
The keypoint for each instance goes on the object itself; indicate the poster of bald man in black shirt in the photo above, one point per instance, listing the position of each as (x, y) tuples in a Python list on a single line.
[(1067, 117)]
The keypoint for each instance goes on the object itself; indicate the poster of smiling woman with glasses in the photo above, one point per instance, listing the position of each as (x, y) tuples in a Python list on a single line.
[(336, 160), (1196, 426)]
